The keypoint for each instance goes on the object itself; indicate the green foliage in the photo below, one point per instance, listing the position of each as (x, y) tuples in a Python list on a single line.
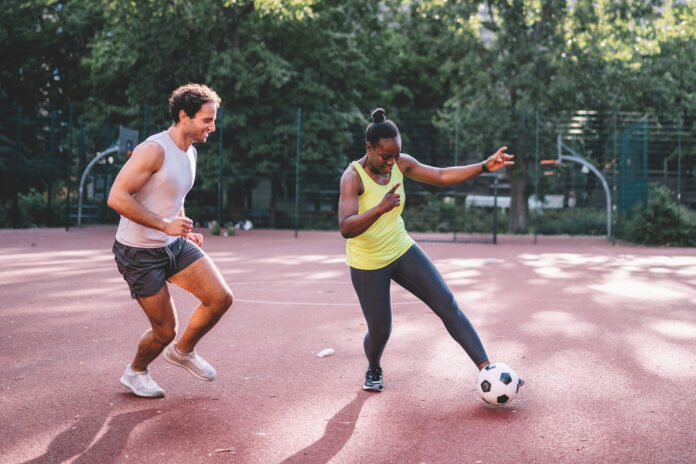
[(32, 211), (570, 222), (660, 222), (447, 214), (215, 228)]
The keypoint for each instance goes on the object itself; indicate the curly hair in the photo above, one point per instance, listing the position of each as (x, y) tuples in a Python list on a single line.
[(190, 97)]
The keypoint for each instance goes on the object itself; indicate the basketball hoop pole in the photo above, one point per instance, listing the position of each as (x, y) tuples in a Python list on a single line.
[(127, 140), (579, 159), (99, 156)]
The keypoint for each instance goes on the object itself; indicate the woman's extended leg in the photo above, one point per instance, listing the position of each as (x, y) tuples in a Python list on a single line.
[(416, 273)]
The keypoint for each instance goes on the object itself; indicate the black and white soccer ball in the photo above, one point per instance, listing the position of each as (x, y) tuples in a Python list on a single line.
[(497, 383)]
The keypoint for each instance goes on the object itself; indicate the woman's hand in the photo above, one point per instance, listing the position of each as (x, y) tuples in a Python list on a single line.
[(499, 160), (390, 201)]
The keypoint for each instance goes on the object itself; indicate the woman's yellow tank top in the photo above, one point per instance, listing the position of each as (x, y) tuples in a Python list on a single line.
[(385, 240)]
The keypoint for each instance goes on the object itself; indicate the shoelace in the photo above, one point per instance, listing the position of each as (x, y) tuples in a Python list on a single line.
[(146, 379), (374, 375)]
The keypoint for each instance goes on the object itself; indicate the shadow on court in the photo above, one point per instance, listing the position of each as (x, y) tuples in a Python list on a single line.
[(338, 431), (79, 440)]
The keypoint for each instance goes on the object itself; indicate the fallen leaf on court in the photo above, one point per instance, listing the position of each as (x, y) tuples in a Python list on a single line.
[(77, 417), (18, 378), (224, 450)]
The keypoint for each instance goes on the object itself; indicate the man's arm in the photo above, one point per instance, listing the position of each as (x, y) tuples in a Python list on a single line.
[(147, 158)]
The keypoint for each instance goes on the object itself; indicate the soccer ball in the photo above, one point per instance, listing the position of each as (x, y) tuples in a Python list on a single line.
[(497, 383)]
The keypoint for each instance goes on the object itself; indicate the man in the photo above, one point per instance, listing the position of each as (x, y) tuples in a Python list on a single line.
[(155, 243)]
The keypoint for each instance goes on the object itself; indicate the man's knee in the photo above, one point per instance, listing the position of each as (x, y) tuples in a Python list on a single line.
[(222, 300), (164, 334)]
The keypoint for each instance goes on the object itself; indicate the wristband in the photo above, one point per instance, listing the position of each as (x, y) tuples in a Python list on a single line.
[(483, 167)]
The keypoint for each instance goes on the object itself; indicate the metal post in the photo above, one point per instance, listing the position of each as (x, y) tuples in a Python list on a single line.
[(679, 162), (645, 161), (15, 177), (495, 210), (51, 147), (81, 148), (145, 117), (105, 174), (456, 137), (219, 193), (615, 187), (536, 173), (297, 170), (69, 168)]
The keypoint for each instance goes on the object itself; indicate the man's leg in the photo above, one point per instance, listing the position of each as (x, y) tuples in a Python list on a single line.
[(205, 282), (159, 308)]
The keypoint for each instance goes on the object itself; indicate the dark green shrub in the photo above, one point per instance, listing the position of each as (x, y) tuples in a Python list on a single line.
[(660, 222), (570, 222), (446, 215)]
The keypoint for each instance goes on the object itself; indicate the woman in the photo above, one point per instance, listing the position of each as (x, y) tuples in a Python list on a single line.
[(379, 249)]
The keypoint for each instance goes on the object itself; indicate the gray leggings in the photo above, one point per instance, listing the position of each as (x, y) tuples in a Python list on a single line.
[(417, 274)]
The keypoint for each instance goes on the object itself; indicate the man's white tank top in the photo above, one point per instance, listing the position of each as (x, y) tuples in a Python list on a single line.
[(163, 194)]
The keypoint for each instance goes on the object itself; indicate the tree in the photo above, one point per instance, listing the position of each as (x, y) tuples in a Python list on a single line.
[(551, 57)]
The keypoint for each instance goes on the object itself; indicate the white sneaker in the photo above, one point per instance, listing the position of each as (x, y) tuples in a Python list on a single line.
[(141, 383), (192, 362)]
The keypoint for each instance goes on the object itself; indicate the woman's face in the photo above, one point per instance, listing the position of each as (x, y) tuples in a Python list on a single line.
[(384, 154)]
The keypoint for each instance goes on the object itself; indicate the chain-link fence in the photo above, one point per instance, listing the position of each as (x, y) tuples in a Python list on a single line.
[(294, 183)]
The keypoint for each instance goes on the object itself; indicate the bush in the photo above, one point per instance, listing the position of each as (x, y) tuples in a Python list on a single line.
[(570, 222), (442, 215), (215, 228), (660, 222)]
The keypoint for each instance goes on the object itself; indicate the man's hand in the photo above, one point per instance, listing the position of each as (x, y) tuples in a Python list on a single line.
[(196, 238), (178, 226)]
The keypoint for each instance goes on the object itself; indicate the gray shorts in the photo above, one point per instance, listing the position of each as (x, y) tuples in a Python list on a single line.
[(146, 269)]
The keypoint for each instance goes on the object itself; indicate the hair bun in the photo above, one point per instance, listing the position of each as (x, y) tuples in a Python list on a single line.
[(378, 115)]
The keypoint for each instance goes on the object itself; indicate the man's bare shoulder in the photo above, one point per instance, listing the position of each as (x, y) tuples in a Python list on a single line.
[(149, 155)]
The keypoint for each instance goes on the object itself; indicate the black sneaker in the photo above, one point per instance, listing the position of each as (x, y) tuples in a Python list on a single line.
[(373, 380)]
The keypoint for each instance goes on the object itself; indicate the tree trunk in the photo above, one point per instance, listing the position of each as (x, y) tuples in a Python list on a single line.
[(518, 222), (233, 14), (522, 145)]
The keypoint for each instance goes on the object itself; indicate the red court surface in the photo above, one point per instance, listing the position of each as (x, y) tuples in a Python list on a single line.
[(605, 337)]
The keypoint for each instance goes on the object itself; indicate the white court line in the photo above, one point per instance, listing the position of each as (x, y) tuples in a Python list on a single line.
[(303, 303), (232, 283)]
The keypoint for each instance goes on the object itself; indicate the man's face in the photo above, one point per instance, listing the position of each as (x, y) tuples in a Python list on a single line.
[(200, 126)]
